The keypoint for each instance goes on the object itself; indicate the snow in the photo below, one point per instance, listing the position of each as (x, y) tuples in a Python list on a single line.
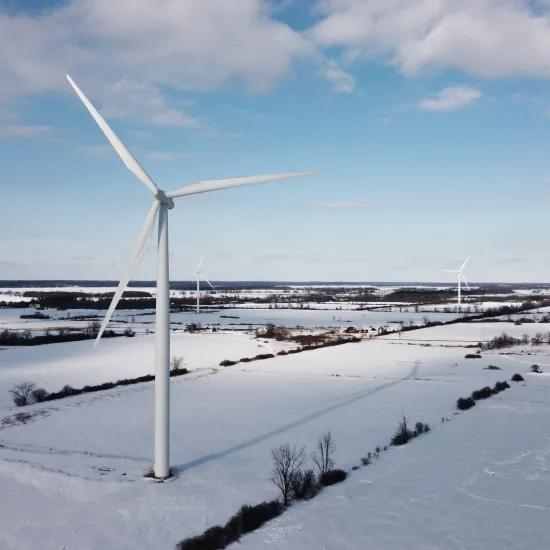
[(480, 481), (73, 472), (226, 318), (52, 366), (471, 333)]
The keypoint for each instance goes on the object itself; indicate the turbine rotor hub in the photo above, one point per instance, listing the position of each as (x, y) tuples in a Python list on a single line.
[(164, 200)]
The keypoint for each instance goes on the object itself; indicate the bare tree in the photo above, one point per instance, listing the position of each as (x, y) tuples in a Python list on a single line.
[(93, 328), (287, 462), (22, 393), (323, 457), (176, 362)]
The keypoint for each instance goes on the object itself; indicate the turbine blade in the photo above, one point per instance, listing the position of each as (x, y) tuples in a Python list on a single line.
[(211, 285), (136, 256), (450, 270), (465, 281), (201, 261), (131, 163), (214, 185), (464, 264)]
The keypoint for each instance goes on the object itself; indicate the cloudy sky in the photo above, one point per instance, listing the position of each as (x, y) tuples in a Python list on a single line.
[(429, 121)]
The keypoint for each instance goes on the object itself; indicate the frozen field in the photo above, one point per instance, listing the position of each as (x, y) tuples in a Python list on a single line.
[(480, 481), (229, 318), (471, 333), (73, 471), (52, 366)]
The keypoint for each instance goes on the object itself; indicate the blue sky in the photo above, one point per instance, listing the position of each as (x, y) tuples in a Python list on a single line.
[(429, 124)]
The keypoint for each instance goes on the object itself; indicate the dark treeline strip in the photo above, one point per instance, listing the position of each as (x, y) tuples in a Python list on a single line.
[(137, 299), (68, 391), (51, 294), (25, 338), (493, 312), (262, 356), (465, 403)]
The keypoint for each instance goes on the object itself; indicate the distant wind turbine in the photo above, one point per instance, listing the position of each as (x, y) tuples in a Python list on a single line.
[(460, 278), (162, 203), (199, 267)]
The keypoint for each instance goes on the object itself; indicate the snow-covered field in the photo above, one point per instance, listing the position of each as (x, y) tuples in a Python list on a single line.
[(480, 481), (52, 366), (228, 318), (471, 333), (71, 476)]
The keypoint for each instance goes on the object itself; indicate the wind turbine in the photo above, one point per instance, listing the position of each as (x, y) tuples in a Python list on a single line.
[(460, 278), (199, 267), (162, 202)]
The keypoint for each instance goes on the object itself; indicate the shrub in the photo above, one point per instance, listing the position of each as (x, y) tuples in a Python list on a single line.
[(69, 390), (253, 517), (500, 386), (211, 539), (247, 519), (402, 435), (304, 485), (22, 393), (177, 372), (419, 427), (501, 341), (332, 476), (227, 363), (472, 356), (517, 377), (261, 356), (536, 369), (492, 367), (93, 328), (39, 395), (245, 360), (483, 393), (176, 362), (465, 403)]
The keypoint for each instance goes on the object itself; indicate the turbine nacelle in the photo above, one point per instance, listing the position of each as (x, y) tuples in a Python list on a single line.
[(162, 199)]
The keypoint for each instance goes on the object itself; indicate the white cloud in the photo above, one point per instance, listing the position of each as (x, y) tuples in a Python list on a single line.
[(340, 79), (488, 38), (343, 205), (134, 57), (95, 150), (450, 99), (167, 156), (130, 55), (22, 131), (144, 102)]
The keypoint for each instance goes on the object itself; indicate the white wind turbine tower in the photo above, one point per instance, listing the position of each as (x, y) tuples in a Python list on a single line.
[(460, 278), (199, 267), (162, 203)]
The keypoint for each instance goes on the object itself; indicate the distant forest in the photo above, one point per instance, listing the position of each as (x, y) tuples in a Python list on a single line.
[(140, 299)]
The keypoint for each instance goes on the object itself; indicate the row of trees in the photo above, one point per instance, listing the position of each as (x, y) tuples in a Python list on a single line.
[(296, 482)]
